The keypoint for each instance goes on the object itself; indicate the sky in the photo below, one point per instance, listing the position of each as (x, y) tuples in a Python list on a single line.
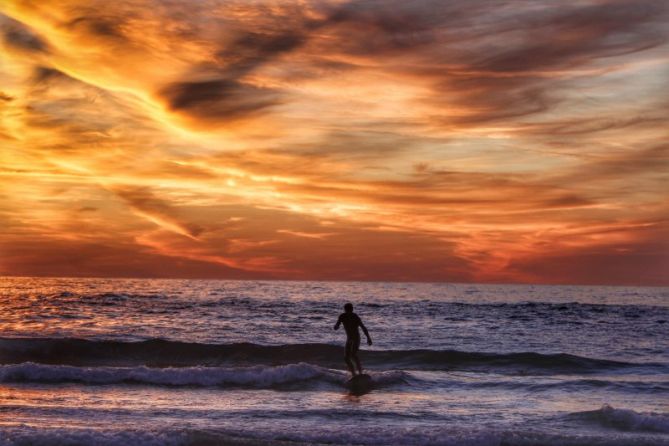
[(517, 141)]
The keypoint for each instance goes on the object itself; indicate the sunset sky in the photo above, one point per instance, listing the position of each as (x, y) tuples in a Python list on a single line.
[(464, 141)]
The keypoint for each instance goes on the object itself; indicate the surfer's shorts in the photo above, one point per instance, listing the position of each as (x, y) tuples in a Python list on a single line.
[(352, 347)]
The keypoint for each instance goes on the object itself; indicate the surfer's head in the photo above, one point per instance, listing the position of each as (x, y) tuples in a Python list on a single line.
[(348, 307)]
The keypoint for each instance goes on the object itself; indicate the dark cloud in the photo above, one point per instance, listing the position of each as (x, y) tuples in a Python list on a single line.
[(218, 99), (509, 80), (382, 29), (479, 58), (494, 64), (91, 24), (43, 75), (249, 50), (18, 36), (224, 95), (570, 35)]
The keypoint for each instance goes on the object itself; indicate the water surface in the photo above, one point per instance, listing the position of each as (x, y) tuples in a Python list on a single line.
[(193, 362)]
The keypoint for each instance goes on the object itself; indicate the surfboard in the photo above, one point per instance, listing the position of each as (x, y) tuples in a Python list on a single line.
[(360, 384)]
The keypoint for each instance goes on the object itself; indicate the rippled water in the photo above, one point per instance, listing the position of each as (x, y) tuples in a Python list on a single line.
[(192, 362)]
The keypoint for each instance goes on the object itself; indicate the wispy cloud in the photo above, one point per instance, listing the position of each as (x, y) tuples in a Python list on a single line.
[(146, 204)]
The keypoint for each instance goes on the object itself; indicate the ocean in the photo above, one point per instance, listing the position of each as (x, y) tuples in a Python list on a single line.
[(198, 362)]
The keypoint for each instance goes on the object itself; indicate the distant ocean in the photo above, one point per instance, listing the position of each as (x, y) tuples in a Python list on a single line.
[(194, 362)]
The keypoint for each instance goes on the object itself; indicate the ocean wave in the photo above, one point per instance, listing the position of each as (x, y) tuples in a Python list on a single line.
[(651, 387), (245, 377), (163, 353), (624, 419)]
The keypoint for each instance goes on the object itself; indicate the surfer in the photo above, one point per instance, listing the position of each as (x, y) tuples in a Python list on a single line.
[(351, 323)]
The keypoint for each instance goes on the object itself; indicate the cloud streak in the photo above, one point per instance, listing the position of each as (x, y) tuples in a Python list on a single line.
[(147, 205)]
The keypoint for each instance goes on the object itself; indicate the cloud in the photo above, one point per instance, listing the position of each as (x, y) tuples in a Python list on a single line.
[(564, 37), (43, 75), (630, 255), (646, 167), (249, 50), (146, 204), (224, 94), (423, 140), (106, 27), (313, 235), (38, 256), (503, 67), (654, 159), (218, 99), (17, 36)]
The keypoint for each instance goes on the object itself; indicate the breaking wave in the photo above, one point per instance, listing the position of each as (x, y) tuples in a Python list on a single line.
[(624, 419), (251, 377)]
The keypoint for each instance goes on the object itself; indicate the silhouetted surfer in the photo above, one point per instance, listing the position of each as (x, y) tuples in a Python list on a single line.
[(351, 323)]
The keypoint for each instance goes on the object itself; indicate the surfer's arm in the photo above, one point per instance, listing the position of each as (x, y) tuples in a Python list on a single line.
[(336, 327), (364, 330)]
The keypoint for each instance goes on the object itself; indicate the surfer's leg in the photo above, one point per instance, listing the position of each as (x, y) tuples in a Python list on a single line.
[(347, 358), (349, 363), (357, 362), (354, 353)]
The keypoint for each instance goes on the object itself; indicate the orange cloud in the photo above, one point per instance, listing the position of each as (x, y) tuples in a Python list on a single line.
[(422, 140)]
